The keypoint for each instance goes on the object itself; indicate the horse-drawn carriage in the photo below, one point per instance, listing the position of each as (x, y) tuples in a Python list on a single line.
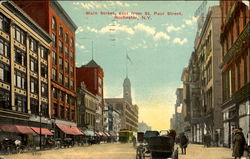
[(156, 146)]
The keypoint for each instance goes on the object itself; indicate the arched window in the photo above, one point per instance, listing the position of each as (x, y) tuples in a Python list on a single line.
[(53, 23)]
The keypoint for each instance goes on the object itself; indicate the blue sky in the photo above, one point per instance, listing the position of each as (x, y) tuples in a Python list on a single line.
[(159, 49)]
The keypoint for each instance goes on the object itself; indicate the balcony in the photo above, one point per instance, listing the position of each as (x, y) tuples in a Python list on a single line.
[(235, 49)]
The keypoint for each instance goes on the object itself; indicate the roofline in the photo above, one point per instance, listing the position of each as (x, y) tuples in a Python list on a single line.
[(65, 14), (27, 20)]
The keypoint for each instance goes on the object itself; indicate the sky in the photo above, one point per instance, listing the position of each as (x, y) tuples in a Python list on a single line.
[(159, 46)]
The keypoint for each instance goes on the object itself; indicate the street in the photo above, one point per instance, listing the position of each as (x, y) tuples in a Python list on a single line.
[(120, 151)]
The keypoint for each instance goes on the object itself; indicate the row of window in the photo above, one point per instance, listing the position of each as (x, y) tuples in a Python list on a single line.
[(64, 112), (66, 37), (62, 96), (21, 103)]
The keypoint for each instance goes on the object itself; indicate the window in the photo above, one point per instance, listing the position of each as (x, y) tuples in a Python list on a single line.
[(20, 103), (5, 99), (19, 35), (237, 26), (54, 58), (71, 42), (60, 47), (71, 71), (67, 113), (66, 37), (54, 74), (44, 71), (34, 106), (20, 79), (66, 51), (244, 16), (4, 48), (33, 85), (54, 92), (71, 56), (44, 109), (55, 112), (60, 63), (71, 84), (67, 99), (60, 78), (67, 82), (53, 40), (53, 23), (4, 23), (44, 53), (20, 57), (4, 73), (33, 64), (66, 67), (61, 31), (62, 112), (44, 90), (33, 45)]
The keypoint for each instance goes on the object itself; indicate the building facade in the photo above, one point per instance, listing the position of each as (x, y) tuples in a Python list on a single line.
[(92, 75), (235, 67), (55, 21), (143, 127), (179, 121), (128, 111), (208, 51), (86, 104), (24, 70)]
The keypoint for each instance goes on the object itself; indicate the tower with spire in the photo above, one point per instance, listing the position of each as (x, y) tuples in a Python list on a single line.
[(127, 90)]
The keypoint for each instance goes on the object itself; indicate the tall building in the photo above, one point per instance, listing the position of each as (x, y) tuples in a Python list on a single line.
[(92, 75), (143, 127), (179, 125), (208, 50), (24, 73), (235, 66), (55, 21), (128, 111)]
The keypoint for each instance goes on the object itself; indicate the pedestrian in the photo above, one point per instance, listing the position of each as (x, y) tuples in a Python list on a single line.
[(183, 143), (239, 143), (216, 138)]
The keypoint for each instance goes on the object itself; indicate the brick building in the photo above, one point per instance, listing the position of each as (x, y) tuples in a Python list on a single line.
[(235, 67), (92, 75), (53, 19)]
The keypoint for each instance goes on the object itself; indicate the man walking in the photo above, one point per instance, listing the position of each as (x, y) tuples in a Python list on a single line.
[(183, 143), (239, 143)]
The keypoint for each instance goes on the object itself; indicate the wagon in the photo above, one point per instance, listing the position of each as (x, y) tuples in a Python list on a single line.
[(157, 147)]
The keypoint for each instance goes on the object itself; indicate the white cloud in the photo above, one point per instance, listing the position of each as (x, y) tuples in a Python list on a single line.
[(190, 21), (179, 41), (80, 46), (171, 28), (116, 28), (161, 35), (143, 27)]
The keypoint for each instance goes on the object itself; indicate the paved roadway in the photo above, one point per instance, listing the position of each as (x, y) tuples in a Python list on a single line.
[(120, 151)]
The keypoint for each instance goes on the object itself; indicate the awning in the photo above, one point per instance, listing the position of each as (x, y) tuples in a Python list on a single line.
[(107, 134), (89, 133), (71, 130), (8, 128), (44, 131), (102, 134), (97, 133), (24, 129), (16, 129)]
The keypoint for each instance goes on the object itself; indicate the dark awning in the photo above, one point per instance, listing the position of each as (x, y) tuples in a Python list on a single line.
[(16, 129)]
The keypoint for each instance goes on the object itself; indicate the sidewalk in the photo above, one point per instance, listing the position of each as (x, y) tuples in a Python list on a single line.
[(201, 152)]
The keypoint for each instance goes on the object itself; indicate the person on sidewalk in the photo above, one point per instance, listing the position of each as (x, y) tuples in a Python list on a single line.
[(183, 143), (239, 143), (216, 138)]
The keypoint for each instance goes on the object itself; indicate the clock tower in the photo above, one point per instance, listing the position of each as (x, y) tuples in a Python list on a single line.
[(127, 90)]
